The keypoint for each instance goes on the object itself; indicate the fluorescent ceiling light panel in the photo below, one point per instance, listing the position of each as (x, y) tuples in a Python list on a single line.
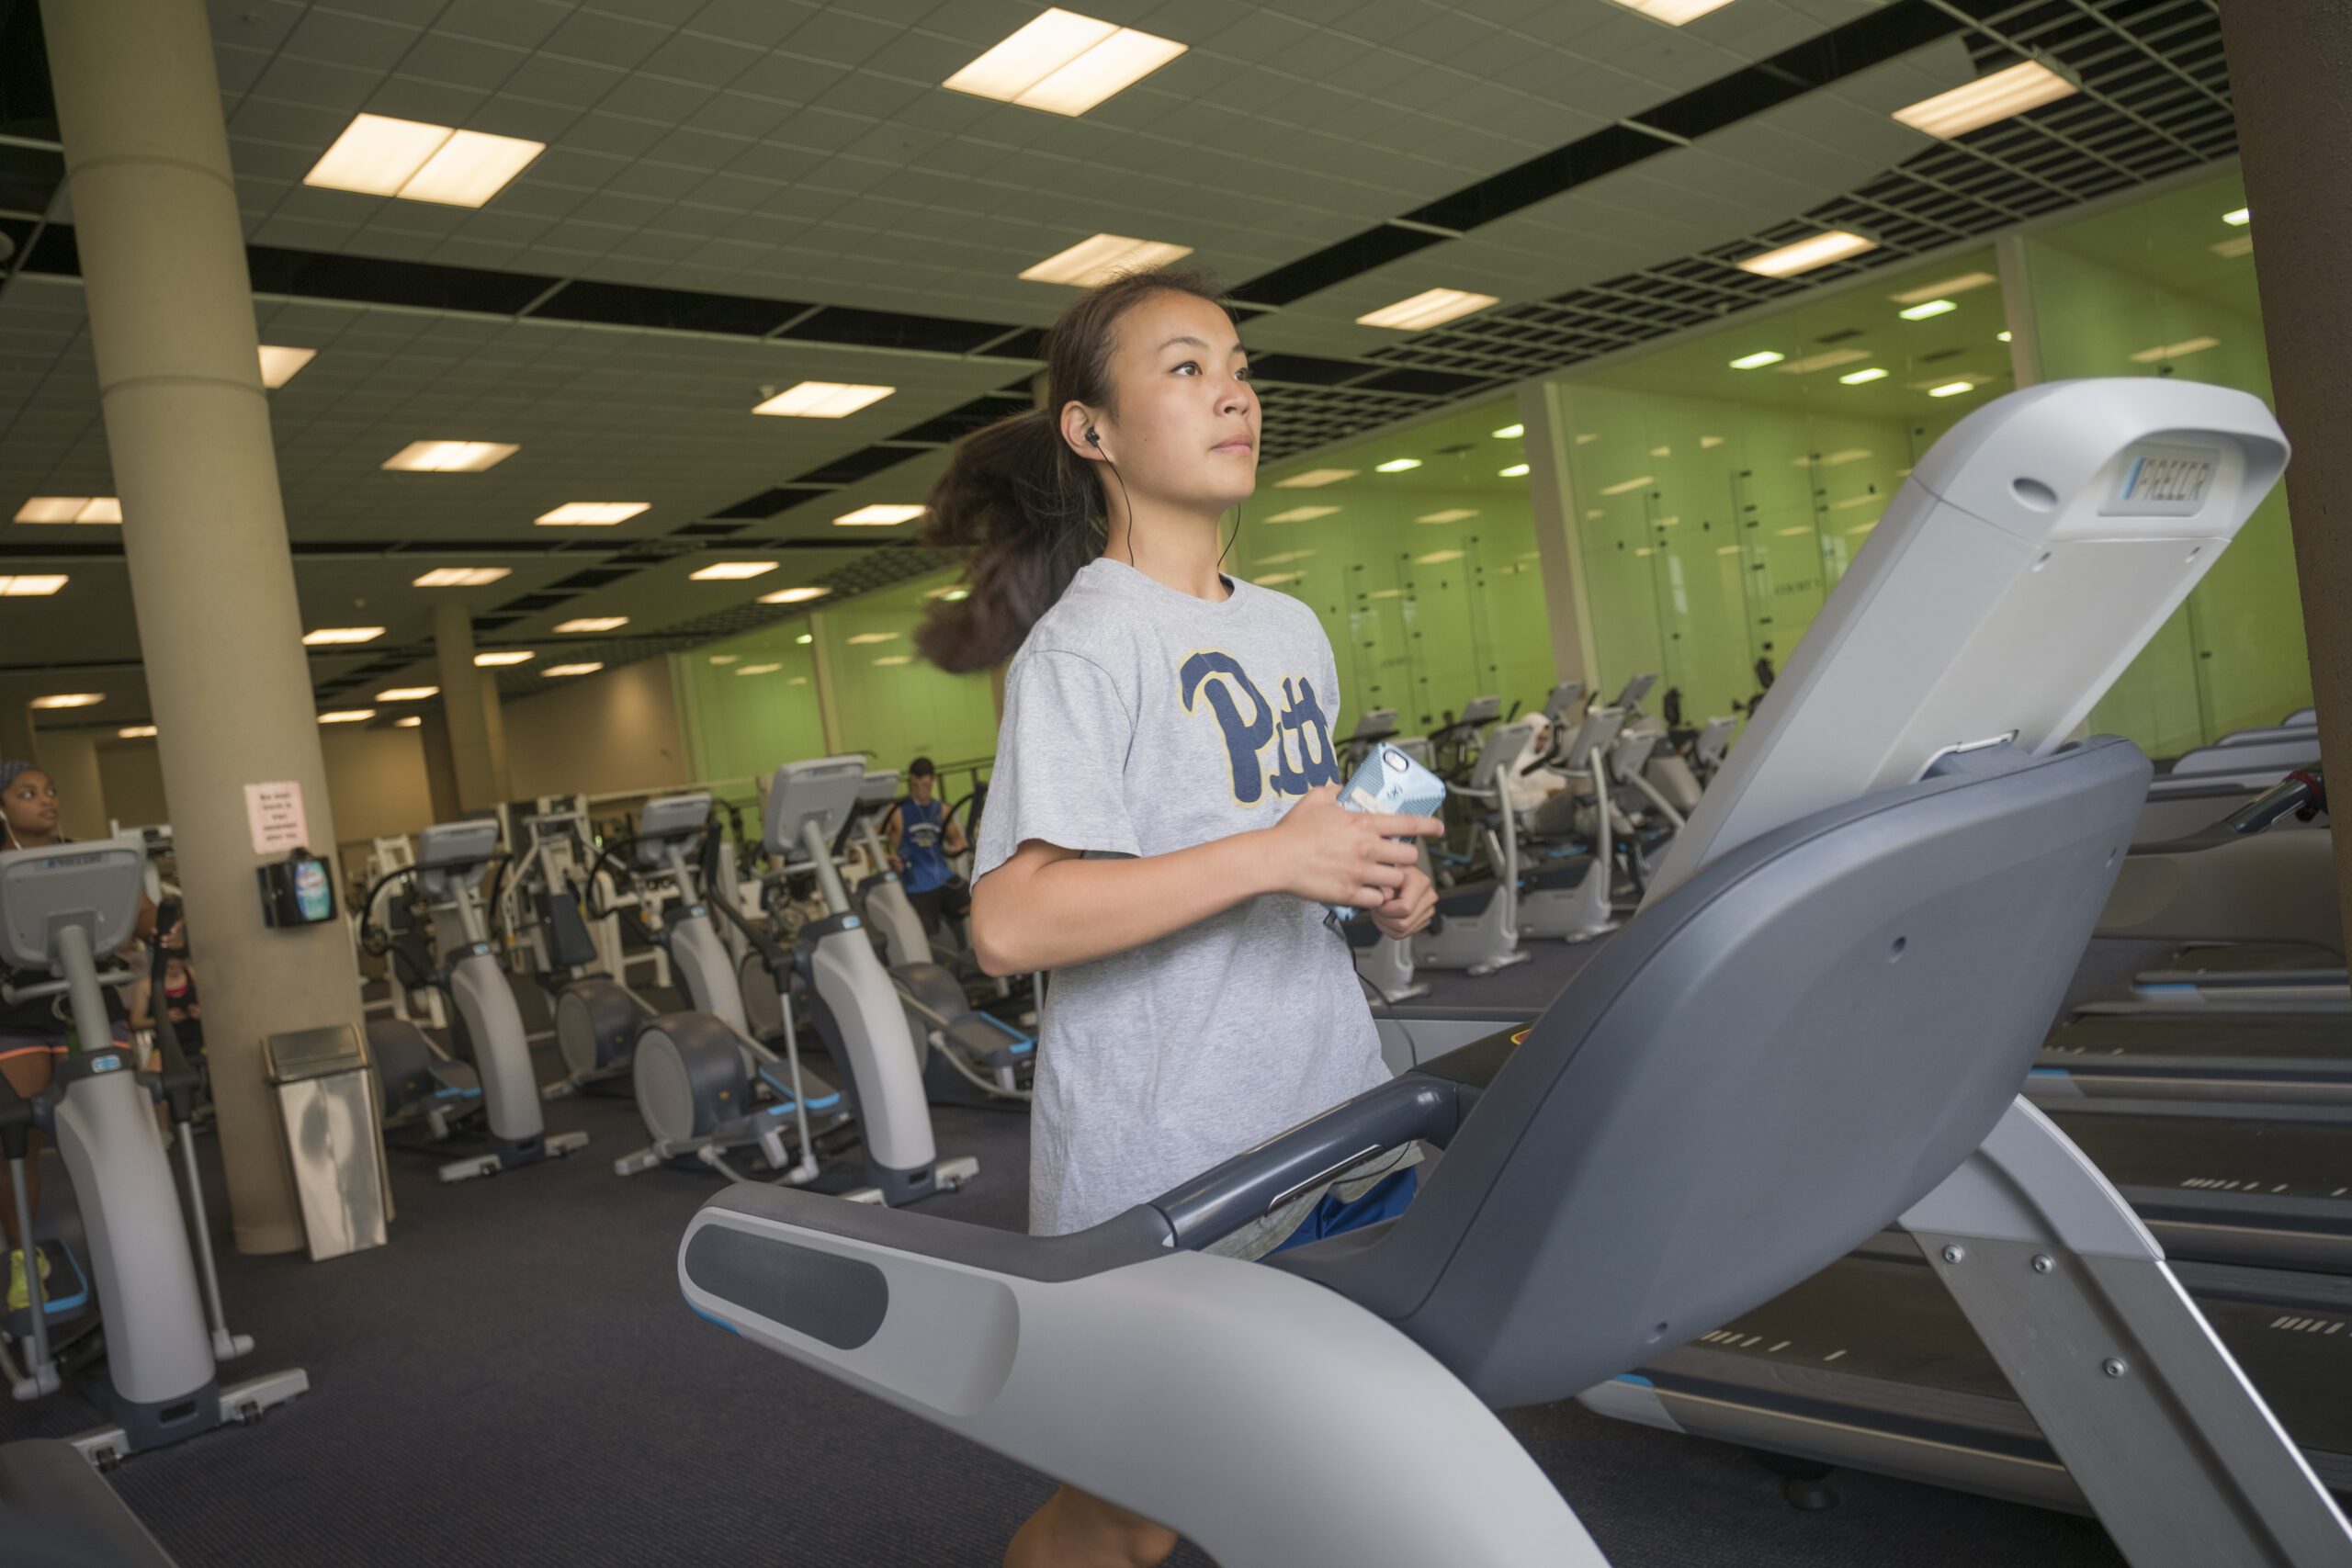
[(1861, 378), (1103, 258), (2000, 337), (1927, 310), (71, 509), (71, 700), (136, 732), (881, 515), (759, 669), (869, 637), (1315, 478), (1276, 578), (1397, 465), (732, 571), (1065, 63), (462, 577), (803, 639), (1451, 514), (896, 658), (1820, 250), (1517, 470), (450, 457), (31, 585), (1622, 486), (726, 659), (572, 669), (822, 399), (1977, 104), (1431, 308), (505, 657), (280, 366), (795, 595), (1827, 359), (1437, 558), (1510, 433), (1757, 360), (377, 155), (1302, 514), (2240, 219), (412, 721), (2180, 350), (1951, 389), (1960, 285), (407, 693), (590, 514), (347, 715), (594, 624), (327, 635), (1674, 13)]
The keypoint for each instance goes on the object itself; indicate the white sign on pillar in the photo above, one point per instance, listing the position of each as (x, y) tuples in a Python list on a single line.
[(275, 811)]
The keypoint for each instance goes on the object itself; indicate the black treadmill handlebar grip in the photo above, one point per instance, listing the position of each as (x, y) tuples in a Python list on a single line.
[(1253, 1183)]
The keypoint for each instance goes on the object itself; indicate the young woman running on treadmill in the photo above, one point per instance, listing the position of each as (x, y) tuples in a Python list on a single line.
[(1162, 830)]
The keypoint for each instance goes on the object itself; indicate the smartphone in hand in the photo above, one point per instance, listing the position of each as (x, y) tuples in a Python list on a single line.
[(1390, 780)]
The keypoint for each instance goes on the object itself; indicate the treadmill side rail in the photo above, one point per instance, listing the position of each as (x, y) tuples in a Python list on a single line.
[(2179, 1456), (1246, 1361)]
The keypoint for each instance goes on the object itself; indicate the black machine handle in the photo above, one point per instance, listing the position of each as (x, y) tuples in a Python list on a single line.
[(177, 1079)]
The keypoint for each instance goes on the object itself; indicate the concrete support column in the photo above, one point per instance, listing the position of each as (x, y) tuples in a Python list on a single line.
[(70, 758), (2289, 62), (204, 532), (1559, 543), (828, 707), (461, 708), (440, 772), (493, 724)]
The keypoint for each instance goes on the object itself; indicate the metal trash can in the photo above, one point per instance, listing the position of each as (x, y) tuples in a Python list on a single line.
[(326, 1104)]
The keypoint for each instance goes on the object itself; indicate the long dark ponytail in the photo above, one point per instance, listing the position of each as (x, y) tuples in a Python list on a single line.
[(1027, 509)]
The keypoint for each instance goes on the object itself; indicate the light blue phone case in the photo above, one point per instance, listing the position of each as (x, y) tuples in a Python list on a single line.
[(1390, 780)]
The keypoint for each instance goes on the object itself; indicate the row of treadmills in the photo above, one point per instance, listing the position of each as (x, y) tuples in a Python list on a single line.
[(2209, 1079)]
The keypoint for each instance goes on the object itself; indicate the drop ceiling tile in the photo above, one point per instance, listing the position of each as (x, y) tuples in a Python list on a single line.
[(324, 86), (845, 37), (758, 23), (344, 37), (406, 98), (573, 84), (459, 62), (239, 69), (604, 38)]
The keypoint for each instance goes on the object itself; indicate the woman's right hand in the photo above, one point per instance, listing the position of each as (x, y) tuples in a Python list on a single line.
[(1328, 854)]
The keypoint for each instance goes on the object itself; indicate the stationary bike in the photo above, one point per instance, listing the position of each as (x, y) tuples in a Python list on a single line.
[(158, 1322)]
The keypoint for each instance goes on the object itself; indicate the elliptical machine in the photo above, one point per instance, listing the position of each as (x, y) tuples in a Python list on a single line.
[(1479, 930), (158, 1294), (486, 1024)]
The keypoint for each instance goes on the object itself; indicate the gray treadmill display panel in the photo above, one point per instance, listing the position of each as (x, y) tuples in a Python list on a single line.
[(823, 790), (97, 883), (447, 846)]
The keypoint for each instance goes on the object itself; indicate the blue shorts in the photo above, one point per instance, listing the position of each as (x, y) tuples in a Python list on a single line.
[(1384, 1199)]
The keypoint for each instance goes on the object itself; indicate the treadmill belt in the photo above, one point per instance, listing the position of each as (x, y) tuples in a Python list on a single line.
[(2271, 1158), (1878, 1335), (2194, 1033), (2278, 962)]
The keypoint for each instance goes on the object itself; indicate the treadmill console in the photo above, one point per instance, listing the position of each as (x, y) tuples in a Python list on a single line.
[(665, 821), (1635, 690), (453, 846), (880, 788), (1594, 734), (1561, 702), (1480, 710), (823, 790), (95, 885), (1503, 745), (1376, 724)]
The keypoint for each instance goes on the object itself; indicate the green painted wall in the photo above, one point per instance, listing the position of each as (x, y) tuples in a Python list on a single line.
[(2166, 287), (751, 702), (1422, 615)]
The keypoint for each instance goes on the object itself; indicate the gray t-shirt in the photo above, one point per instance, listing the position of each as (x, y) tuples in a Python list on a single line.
[(1139, 721)]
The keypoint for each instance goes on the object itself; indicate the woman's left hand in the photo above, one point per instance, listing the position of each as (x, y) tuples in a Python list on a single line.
[(1410, 908)]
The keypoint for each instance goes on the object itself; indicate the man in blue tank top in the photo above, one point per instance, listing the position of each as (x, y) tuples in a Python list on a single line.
[(921, 839)]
